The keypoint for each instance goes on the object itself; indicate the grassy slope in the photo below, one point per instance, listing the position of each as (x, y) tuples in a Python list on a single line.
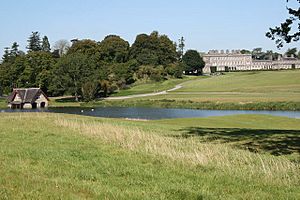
[(144, 88), (67, 156), (263, 90), (242, 87), (259, 81)]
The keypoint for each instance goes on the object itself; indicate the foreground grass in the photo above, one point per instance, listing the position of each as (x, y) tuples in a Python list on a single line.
[(65, 156)]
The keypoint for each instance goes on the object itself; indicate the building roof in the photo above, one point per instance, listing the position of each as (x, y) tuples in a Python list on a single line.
[(27, 95)]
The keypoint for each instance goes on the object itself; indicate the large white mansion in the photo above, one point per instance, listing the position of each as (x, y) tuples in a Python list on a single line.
[(222, 61)]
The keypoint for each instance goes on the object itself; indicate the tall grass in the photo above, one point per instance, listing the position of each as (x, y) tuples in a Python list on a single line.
[(190, 152)]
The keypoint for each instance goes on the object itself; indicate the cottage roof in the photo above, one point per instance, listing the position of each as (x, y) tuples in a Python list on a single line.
[(27, 95)]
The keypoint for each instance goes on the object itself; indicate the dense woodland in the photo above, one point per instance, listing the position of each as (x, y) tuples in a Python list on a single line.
[(90, 69)]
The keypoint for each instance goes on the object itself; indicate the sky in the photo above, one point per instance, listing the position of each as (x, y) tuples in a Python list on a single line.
[(205, 24)]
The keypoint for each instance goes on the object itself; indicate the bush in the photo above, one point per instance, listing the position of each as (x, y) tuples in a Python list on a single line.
[(175, 70), (89, 91)]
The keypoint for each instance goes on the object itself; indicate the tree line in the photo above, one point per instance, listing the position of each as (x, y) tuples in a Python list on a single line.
[(259, 54), (89, 69)]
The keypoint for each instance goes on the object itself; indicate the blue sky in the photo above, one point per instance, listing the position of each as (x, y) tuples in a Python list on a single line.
[(205, 24)]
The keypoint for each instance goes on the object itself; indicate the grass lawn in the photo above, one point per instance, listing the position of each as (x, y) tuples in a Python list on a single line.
[(259, 90), (3, 103), (143, 88), (248, 82), (59, 156), (241, 87)]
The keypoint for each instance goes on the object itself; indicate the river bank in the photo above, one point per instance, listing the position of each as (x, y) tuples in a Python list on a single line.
[(184, 104)]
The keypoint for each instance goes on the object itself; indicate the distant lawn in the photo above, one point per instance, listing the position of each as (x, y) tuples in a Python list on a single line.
[(44, 155), (143, 88), (259, 90), (248, 82), (3, 103)]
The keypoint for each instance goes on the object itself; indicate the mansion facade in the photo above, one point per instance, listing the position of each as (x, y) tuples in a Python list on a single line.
[(222, 61)]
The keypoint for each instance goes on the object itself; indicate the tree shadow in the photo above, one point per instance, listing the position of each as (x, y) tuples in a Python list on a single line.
[(276, 142)]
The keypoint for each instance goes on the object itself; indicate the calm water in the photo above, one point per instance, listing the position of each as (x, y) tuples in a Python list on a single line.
[(154, 113)]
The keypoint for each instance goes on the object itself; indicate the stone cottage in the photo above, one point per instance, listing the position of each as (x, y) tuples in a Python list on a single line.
[(27, 98)]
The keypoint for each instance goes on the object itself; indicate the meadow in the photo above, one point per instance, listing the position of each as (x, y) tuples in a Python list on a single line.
[(60, 156)]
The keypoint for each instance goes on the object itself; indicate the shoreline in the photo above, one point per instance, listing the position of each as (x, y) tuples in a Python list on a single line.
[(165, 103)]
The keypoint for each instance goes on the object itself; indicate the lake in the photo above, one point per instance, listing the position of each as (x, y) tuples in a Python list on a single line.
[(153, 113)]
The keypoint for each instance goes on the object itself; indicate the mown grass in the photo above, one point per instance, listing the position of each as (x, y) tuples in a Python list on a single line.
[(56, 156), (250, 82), (150, 87), (260, 90), (3, 103)]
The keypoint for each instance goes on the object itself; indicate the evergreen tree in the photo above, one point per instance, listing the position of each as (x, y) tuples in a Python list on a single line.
[(46, 44), (14, 49), (6, 54), (181, 46), (34, 42)]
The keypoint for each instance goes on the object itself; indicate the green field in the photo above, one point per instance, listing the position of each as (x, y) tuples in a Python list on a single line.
[(248, 82), (142, 88), (3, 103), (60, 156), (259, 90), (260, 86)]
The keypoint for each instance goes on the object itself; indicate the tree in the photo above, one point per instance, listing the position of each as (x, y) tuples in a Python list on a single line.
[(181, 46), (14, 49), (153, 49), (257, 53), (86, 46), (6, 54), (71, 72), (62, 46), (291, 52), (45, 44), (193, 61), (268, 55), (175, 70), (89, 90), (114, 49), (284, 32), (245, 51), (37, 67), (34, 42)]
